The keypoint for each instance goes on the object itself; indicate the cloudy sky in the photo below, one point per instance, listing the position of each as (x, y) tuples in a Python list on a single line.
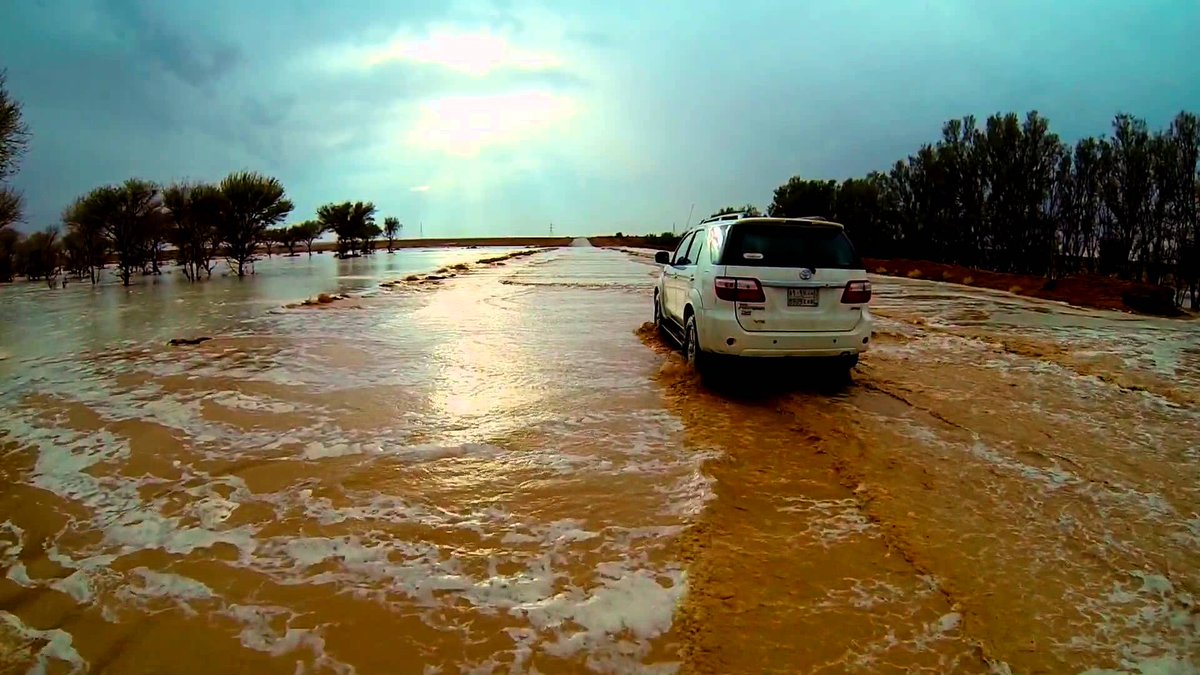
[(500, 117)]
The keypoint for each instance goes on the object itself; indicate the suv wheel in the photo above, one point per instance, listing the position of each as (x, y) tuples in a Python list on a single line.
[(658, 315), (691, 346)]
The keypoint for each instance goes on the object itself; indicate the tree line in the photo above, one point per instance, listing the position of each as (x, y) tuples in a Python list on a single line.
[(14, 138), (1010, 196), (140, 226)]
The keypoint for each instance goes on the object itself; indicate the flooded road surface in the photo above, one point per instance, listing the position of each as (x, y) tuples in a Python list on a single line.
[(496, 473), (1007, 486)]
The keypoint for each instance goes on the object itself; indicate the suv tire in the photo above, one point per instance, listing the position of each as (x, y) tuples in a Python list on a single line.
[(695, 357), (658, 315)]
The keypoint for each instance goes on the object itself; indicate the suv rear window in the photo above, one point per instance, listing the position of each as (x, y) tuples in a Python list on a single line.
[(777, 245)]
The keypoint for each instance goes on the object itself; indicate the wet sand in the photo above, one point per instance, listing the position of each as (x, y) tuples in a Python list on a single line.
[(499, 472)]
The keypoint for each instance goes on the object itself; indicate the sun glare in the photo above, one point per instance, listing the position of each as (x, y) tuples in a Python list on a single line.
[(464, 125), (475, 54)]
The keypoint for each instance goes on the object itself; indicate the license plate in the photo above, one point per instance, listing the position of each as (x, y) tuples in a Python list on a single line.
[(803, 297)]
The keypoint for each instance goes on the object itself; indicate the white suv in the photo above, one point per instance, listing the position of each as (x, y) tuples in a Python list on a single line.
[(751, 286)]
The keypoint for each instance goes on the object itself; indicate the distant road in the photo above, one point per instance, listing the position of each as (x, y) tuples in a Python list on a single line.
[(381, 244), (581, 241)]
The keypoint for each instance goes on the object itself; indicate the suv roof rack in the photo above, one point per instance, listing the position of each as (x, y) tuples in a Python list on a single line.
[(726, 216)]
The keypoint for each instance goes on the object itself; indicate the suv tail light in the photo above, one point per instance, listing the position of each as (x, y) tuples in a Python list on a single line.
[(734, 289), (857, 293)]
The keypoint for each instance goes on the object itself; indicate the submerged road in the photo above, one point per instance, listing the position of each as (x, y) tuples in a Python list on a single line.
[(500, 473)]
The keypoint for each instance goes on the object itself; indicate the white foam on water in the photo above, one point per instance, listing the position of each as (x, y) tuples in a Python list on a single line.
[(58, 646), (64, 457), (549, 535), (11, 551), (1163, 665), (214, 510), (831, 521), (76, 585), (169, 412), (154, 585), (149, 530), (1148, 620), (258, 634), (168, 585), (317, 450), (948, 622), (19, 576), (636, 602), (236, 399)]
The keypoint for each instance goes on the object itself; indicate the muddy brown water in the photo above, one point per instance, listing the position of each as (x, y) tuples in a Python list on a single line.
[(501, 472)]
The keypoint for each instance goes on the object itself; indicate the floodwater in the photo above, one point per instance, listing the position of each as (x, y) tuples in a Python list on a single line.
[(500, 472), (40, 321)]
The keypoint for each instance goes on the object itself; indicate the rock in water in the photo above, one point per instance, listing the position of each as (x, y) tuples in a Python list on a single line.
[(178, 342)]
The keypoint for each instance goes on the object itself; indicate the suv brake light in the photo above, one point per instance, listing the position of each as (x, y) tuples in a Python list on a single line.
[(734, 289), (857, 293)]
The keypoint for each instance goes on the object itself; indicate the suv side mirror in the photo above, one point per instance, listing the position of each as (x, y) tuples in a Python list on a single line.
[(663, 257)]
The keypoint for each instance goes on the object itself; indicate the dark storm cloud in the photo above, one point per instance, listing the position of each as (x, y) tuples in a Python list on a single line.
[(150, 35)]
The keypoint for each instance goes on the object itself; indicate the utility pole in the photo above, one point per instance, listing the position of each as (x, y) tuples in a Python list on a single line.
[(421, 230), (688, 224), (551, 229)]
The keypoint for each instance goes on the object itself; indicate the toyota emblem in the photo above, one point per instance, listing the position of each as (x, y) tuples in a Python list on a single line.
[(806, 274)]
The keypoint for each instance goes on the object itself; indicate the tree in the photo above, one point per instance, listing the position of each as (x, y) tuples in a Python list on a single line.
[(14, 139), (370, 234), (799, 198), (133, 224), (87, 239), (129, 217), (10, 206), (271, 237), (857, 207), (252, 203), (157, 231), (1077, 204), (354, 225), (749, 209), (391, 229), (335, 218), (289, 237), (123, 215), (9, 239), (75, 254), (1128, 191), (362, 221), (195, 209), (1179, 189), (38, 255), (308, 232)]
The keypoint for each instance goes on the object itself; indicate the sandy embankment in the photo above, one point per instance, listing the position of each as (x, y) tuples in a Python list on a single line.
[(344, 301)]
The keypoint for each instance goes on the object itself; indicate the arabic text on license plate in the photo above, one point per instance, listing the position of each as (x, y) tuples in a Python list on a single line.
[(802, 297)]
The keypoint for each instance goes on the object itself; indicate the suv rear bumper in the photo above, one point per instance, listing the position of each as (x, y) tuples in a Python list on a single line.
[(718, 329)]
